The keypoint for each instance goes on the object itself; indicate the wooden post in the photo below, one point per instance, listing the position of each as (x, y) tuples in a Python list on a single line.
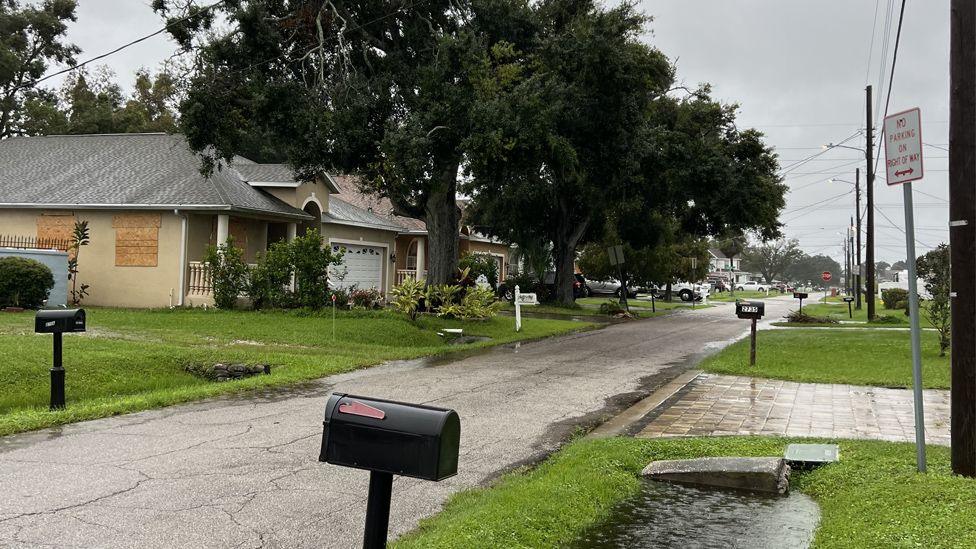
[(752, 345), (962, 233)]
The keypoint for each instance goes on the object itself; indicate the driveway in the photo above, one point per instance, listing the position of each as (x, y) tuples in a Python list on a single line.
[(242, 472)]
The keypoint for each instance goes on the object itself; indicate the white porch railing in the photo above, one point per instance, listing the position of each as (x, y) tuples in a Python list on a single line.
[(198, 279), (408, 274)]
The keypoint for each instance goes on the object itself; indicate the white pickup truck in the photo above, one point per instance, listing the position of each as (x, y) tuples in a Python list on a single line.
[(688, 291)]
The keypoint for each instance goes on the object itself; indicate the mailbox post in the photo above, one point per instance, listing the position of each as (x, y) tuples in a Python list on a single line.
[(389, 438), (801, 296), (751, 310), (57, 322), (849, 300), (522, 299)]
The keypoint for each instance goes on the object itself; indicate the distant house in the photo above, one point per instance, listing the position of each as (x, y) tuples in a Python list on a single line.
[(152, 214), (722, 267)]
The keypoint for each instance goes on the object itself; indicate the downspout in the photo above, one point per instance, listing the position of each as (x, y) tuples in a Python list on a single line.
[(183, 265)]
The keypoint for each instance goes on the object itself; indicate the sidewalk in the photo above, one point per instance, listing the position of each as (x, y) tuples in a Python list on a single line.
[(730, 405)]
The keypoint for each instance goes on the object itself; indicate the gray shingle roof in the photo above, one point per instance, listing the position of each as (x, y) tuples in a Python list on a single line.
[(344, 213), (119, 170)]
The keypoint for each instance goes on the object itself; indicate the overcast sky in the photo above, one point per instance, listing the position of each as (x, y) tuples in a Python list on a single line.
[(797, 69)]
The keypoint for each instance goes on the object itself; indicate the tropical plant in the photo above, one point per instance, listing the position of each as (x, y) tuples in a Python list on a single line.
[(80, 236), (478, 304), (407, 296), (441, 299), (228, 273), (24, 282)]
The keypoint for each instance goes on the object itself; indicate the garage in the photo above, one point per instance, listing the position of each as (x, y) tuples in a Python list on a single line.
[(362, 267)]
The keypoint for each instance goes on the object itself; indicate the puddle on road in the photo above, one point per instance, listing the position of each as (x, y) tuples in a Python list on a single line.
[(675, 515)]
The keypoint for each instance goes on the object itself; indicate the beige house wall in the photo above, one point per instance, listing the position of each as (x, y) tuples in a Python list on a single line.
[(346, 234), (111, 285)]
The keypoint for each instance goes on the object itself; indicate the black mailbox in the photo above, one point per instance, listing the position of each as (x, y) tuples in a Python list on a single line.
[(799, 295), (389, 438), (750, 309), (392, 437), (57, 321)]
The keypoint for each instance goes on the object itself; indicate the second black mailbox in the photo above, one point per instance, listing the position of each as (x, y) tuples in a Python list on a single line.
[(392, 437)]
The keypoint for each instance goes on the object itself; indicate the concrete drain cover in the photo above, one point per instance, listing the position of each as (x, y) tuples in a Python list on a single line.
[(808, 456)]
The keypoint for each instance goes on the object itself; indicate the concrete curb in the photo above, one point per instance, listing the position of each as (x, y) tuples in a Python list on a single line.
[(619, 424)]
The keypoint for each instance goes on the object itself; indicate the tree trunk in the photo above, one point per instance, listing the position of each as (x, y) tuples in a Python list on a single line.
[(568, 234), (443, 228)]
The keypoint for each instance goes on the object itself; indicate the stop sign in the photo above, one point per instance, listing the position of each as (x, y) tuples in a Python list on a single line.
[(826, 276)]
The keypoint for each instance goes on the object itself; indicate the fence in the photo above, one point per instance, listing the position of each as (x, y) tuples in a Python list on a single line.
[(34, 243)]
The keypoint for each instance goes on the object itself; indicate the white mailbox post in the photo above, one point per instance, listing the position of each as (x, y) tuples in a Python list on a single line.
[(522, 299)]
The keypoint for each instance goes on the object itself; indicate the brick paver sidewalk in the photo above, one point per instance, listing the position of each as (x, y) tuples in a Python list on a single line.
[(730, 405)]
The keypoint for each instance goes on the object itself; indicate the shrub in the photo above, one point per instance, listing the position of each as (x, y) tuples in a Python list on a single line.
[(442, 299), (311, 263), (611, 307), (800, 317), (341, 298), (890, 297), (370, 298), (480, 264), (24, 282), (271, 277), (478, 304), (407, 296), (902, 305), (228, 273)]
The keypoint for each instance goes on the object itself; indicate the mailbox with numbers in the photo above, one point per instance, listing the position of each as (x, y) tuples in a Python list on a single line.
[(800, 295), (750, 309)]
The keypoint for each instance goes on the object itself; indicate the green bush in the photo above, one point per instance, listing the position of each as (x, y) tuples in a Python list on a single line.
[(890, 297), (611, 307), (407, 296), (311, 262), (800, 317), (24, 282), (228, 273), (271, 277), (480, 264), (370, 298), (885, 319), (478, 304)]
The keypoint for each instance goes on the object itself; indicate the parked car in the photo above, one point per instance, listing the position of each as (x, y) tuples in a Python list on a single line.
[(549, 281), (719, 284), (688, 291), (752, 286), (610, 286), (784, 288)]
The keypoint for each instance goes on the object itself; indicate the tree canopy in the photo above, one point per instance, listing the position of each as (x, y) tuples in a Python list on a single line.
[(32, 38), (772, 259)]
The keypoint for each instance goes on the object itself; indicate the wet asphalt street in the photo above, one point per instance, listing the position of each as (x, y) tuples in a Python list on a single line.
[(243, 472)]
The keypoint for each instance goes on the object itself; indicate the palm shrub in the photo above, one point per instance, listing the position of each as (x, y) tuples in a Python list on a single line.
[(228, 273), (479, 304), (24, 282), (407, 296)]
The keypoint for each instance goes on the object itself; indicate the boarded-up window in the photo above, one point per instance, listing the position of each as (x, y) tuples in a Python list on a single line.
[(237, 229), (136, 239), (55, 229)]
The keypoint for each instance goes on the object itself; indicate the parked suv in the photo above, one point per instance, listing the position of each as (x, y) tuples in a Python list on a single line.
[(752, 286)]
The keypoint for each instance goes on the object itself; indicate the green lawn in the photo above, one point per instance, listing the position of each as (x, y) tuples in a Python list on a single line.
[(133, 360), (838, 311), (859, 357), (591, 306), (746, 295), (871, 498)]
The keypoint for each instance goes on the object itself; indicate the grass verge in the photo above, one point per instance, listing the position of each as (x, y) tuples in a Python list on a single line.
[(727, 297), (871, 498), (859, 357), (134, 360)]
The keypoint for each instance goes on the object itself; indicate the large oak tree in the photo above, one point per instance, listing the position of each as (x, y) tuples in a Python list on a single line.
[(381, 89)]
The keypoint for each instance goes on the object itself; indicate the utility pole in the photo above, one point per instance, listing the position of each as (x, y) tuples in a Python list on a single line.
[(857, 212), (962, 233), (847, 263), (850, 246), (869, 155)]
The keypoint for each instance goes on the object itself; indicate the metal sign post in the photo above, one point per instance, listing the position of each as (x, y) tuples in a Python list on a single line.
[(825, 276), (903, 162)]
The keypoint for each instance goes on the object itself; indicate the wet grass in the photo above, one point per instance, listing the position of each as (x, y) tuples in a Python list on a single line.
[(860, 357), (871, 498), (134, 360), (744, 295)]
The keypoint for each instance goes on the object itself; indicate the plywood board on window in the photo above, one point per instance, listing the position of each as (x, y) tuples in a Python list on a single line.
[(237, 230), (55, 226), (137, 239)]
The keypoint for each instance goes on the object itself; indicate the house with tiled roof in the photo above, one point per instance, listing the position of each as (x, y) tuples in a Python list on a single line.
[(152, 214)]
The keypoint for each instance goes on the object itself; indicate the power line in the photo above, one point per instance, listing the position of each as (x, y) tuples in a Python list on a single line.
[(120, 48), (891, 77)]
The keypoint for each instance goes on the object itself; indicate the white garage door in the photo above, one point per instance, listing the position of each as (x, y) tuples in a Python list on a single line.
[(362, 267)]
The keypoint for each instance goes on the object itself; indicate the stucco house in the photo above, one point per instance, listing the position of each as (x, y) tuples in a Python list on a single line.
[(152, 214)]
